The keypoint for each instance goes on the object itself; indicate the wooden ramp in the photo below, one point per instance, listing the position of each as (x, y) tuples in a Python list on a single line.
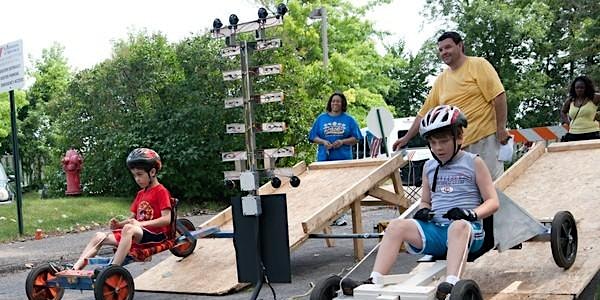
[(327, 190), (564, 176)]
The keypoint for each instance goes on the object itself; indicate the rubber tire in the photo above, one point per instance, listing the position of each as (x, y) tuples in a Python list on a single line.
[(114, 283), (40, 291), (275, 182), (466, 289), (326, 289), (186, 248), (295, 181), (563, 239)]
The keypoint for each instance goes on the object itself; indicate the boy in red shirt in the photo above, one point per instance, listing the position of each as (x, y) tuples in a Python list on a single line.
[(150, 212)]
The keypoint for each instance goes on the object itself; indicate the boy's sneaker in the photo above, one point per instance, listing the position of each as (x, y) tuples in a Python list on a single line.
[(443, 290), (348, 285)]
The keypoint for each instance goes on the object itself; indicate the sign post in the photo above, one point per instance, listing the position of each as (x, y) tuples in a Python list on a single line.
[(380, 123), (12, 76)]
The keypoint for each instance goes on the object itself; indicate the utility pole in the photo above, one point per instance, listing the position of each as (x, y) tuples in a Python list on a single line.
[(321, 13)]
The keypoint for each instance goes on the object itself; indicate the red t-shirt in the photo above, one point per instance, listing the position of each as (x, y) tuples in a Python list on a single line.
[(148, 205)]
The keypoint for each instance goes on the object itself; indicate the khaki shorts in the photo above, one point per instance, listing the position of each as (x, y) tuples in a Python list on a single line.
[(487, 148)]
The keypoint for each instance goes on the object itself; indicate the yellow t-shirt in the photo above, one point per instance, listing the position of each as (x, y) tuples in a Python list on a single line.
[(583, 121), (472, 88)]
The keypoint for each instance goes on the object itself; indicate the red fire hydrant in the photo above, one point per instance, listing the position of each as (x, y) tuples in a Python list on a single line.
[(72, 164)]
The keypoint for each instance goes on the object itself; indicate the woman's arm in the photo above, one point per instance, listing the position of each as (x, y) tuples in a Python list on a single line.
[(596, 99), (564, 112)]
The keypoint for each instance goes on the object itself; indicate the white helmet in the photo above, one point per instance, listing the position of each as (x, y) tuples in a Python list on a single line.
[(440, 117)]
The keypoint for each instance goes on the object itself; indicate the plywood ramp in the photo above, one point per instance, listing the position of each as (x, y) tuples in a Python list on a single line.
[(326, 190), (566, 177)]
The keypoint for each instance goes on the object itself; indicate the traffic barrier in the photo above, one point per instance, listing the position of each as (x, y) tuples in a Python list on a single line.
[(538, 133)]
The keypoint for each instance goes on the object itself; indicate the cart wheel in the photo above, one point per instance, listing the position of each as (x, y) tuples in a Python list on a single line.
[(187, 247), (326, 289), (563, 239), (466, 289), (275, 182), (114, 283), (295, 181), (36, 284)]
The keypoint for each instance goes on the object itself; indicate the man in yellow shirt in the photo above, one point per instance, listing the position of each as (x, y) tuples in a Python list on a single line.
[(471, 84)]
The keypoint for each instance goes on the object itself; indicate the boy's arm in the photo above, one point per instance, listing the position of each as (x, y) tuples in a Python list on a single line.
[(163, 220), (425, 193), (486, 187), (116, 224)]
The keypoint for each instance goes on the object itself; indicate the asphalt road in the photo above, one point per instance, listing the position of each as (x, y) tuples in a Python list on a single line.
[(310, 262)]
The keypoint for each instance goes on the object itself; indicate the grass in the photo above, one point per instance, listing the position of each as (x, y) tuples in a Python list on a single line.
[(59, 215), (70, 214)]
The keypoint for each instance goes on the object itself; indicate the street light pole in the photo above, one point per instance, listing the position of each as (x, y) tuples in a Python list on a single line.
[(321, 13)]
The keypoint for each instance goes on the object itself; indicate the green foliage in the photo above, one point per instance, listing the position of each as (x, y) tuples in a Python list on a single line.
[(536, 46), (169, 97), (37, 137), (410, 74), (5, 127)]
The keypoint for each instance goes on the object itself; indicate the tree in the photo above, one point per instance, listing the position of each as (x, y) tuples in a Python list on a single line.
[(410, 74), (538, 47), (37, 139)]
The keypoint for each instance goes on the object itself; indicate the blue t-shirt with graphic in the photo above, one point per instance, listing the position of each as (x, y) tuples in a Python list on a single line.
[(333, 128)]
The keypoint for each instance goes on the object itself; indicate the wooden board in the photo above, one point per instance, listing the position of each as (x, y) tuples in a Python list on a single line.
[(326, 190), (555, 181)]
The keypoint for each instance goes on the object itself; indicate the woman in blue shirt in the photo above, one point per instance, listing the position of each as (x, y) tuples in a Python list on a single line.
[(335, 131)]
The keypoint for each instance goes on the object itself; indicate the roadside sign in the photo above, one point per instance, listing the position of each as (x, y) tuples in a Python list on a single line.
[(380, 122), (12, 70)]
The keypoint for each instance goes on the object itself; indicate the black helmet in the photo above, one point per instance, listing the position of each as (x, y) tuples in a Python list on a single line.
[(144, 158)]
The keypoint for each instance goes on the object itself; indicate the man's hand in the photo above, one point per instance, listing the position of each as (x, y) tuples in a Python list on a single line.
[(461, 213), (424, 214), (502, 136), (399, 143)]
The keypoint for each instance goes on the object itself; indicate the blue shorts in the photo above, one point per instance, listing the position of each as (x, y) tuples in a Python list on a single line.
[(434, 237)]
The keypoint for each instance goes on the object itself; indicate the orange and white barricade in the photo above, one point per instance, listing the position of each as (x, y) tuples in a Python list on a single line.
[(538, 133)]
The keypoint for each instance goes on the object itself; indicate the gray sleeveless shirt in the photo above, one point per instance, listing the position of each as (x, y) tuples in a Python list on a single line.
[(456, 185)]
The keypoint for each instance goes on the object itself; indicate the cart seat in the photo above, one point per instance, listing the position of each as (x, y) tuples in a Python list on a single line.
[(144, 252)]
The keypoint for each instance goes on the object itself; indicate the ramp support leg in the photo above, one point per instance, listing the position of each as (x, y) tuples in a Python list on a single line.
[(328, 242), (357, 227)]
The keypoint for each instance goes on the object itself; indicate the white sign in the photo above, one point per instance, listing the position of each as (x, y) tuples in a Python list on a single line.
[(380, 119), (12, 70)]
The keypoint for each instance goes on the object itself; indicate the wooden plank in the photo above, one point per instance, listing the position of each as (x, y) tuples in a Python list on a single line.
[(557, 181), (520, 166), (357, 227), (328, 242), (358, 189), (527, 297), (319, 190), (346, 163), (397, 182), (219, 219), (389, 197), (267, 188), (572, 146)]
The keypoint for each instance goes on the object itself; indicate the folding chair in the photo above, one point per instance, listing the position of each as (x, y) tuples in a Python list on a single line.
[(411, 175)]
